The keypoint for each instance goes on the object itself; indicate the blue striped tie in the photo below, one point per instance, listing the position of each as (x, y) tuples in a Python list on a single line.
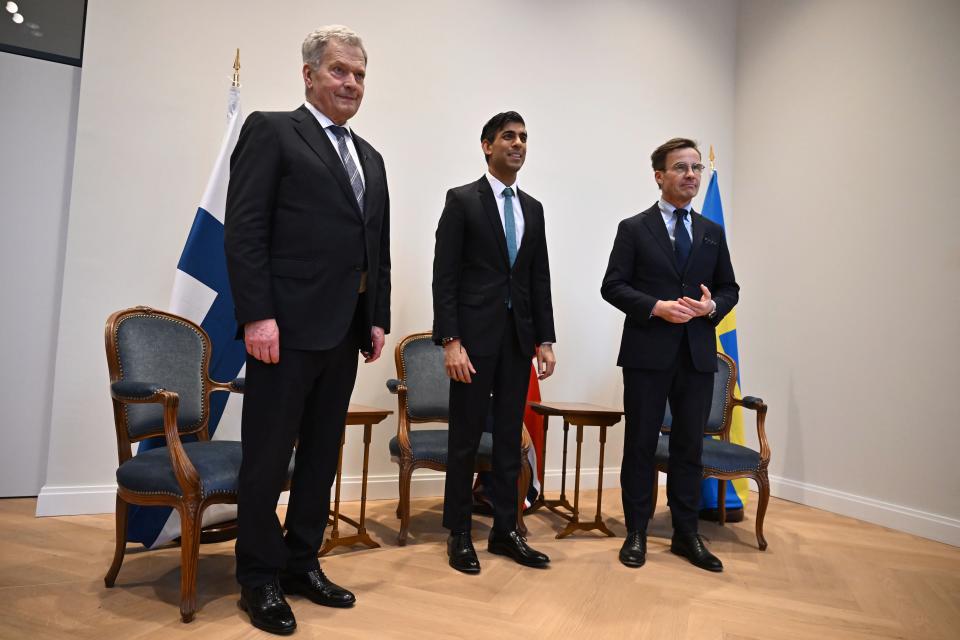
[(681, 243), (509, 227), (352, 171)]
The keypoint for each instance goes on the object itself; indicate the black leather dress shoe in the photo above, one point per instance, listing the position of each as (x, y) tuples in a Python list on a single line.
[(463, 557), (267, 608), (514, 545), (691, 547), (317, 587), (633, 553)]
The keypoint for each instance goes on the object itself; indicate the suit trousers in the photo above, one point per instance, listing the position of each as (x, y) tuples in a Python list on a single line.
[(506, 375), (645, 397), (302, 400)]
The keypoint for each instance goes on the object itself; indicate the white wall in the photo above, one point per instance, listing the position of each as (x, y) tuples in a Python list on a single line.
[(38, 115), (849, 252), (600, 86)]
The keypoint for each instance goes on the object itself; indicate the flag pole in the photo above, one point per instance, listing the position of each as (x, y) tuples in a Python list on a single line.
[(236, 71), (713, 158)]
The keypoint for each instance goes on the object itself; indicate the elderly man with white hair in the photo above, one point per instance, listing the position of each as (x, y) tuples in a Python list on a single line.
[(307, 238)]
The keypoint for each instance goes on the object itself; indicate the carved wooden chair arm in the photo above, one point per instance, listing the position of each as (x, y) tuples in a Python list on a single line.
[(760, 407)]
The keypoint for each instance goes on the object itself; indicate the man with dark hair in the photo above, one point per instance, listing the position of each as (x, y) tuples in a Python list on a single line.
[(307, 238), (492, 311), (670, 273)]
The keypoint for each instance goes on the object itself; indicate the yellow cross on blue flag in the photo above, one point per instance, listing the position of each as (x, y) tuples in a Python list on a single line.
[(726, 343)]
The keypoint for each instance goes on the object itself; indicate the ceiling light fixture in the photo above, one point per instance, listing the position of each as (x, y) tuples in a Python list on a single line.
[(17, 18), (12, 7)]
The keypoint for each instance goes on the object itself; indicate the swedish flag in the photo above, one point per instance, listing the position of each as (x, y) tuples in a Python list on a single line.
[(726, 343)]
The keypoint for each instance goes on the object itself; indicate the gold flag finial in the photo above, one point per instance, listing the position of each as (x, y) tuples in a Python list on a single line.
[(236, 69), (713, 158)]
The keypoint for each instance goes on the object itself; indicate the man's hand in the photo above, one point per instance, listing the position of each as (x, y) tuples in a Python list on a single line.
[(702, 307), (672, 311), (378, 338), (546, 361), (457, 362), (262, 339)]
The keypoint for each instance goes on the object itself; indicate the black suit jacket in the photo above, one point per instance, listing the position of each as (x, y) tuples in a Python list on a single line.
[(472, 278), (295, 237), (643, 269)]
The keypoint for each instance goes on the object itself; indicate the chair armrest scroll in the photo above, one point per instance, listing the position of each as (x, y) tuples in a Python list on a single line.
[(749, 402), (136, 391), (758, 405), (395, 386), (237, 385)]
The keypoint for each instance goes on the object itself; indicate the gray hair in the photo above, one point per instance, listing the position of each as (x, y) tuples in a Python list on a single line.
[(315, 43)]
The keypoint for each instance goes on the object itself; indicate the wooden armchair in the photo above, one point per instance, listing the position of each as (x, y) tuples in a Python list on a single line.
[(423, 393), (723, 459), (160, 386)]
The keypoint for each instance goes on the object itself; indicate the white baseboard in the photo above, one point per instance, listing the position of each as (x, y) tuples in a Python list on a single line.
[(927, 525), (75, 500), (91, 499)]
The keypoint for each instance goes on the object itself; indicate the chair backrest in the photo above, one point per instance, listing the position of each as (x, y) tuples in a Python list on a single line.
[(146, 345), (720, 407), (420, 367)]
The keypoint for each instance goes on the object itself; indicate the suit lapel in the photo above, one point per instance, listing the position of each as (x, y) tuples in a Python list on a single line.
[(316, 138), (654, 222), (696, 221), (489, 206), (526, 242)]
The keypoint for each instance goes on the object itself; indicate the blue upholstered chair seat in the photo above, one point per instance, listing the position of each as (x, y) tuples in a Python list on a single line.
[(720, 456), (430, 445), (216, 461)]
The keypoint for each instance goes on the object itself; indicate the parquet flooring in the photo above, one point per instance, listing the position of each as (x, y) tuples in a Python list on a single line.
[(823, 577)]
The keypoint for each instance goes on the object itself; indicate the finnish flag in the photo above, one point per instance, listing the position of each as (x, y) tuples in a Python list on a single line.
[(201, 292)]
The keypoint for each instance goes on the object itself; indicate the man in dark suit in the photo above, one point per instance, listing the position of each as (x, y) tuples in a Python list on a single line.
[(492, 311), (307, 242), (670, 272)]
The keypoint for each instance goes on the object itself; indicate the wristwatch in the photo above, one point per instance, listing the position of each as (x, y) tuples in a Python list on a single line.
[(713, 314), (446, 341)]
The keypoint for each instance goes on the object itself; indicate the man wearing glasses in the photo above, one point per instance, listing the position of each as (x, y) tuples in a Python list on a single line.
[(670, 273)]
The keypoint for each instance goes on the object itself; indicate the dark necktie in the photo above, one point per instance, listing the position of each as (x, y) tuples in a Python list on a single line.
[(681, 242), (353, 173), (509, 225)]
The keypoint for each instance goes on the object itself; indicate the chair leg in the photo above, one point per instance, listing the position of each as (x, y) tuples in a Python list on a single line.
[(403, 508), (763, 487), (122, 510), (523, 487), (721, 502), (190, 515)]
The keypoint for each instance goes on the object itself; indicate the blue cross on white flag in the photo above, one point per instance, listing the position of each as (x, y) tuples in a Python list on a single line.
[(201, 292)]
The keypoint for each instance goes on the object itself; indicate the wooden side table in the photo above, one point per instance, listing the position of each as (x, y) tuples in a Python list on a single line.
[(581, 415), (367, 416)]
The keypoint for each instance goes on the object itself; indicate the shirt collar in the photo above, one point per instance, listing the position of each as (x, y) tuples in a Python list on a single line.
[(667, 209), (324, 121), (498, 186)]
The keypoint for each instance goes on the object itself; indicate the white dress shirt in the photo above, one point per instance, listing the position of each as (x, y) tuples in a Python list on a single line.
[(498, 188), (326, 123), (668, 211)]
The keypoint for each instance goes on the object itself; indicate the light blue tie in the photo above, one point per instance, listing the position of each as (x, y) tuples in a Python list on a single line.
[(509, 228)]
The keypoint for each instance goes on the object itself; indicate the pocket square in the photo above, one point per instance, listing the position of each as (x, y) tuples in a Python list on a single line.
[(709, 240)]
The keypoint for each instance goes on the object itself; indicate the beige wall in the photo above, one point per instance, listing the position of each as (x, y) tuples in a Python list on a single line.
[(590, 80), (848, 251)]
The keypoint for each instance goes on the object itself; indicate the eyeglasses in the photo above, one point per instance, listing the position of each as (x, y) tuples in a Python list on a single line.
[(683, 167)]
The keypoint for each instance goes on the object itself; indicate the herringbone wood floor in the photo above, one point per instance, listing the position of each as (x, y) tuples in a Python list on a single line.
[(823, 577)]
